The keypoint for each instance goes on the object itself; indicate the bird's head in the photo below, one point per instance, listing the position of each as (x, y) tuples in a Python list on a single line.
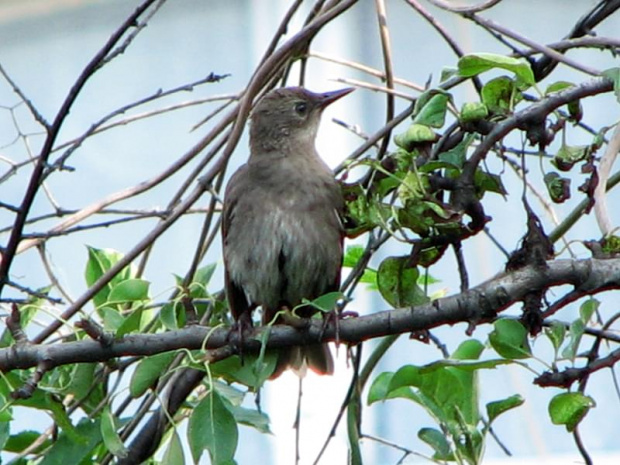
[(289, 117)]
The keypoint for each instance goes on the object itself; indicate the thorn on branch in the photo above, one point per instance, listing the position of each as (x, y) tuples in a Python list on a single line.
[(421, 335), (95, 332), (14, 323), (536, 248), (566, 378), (26, 391)]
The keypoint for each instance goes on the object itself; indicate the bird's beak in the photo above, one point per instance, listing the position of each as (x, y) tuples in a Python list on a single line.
[(331, 97)]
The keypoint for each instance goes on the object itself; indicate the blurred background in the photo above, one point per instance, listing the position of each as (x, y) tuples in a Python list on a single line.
[(44, 45)]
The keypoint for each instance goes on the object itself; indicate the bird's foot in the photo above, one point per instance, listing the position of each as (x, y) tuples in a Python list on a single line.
[(237, 335), (334, 317)]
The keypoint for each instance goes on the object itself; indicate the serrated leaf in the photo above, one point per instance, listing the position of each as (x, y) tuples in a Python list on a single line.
[(569, 408), (495, 409), (476, 63), (147, 371), (398, 283), (509, 339), (111, 439), (212, 427)]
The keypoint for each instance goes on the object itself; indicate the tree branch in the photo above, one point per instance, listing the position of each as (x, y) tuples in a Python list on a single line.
[(481, 304)]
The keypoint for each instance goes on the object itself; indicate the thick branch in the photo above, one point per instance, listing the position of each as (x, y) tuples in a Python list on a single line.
[(478, 305)]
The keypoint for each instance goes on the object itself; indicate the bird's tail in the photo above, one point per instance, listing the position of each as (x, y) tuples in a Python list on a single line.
[(317, 357)]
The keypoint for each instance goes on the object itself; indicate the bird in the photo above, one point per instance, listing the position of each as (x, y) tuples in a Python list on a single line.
[(282, 226)]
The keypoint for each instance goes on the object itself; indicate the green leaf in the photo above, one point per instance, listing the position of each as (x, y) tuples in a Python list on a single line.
[(24, 439), (130, 290), (112, 318), (174, 452), (500, 95), (447, 72), (575, 331), (202, 277), (253, 372), (558, 187), (509, 339), (398, 283), (473, 111), (212, 427), (495, 409), (100, 261), (430, 108), (149, 369), (414, 135), (556, 333), (558, 86), (380, 387), (569, 408), (131, 323), (437, 440), (82, 378), (253, 418), (614, 75), (110, 437), (488, 182), (172, 315), (463, 365), (447, 393), (476, 63), (611, 244), (66, 451), (587, 309), (352, 256), (470, 349), (568, 155), (325, 303), (62, 419), (457, 155)]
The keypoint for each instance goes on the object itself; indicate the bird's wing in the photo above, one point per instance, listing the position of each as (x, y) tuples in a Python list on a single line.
[(237, 300)]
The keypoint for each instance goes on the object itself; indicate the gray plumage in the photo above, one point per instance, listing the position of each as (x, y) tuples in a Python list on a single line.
[(282, 230)]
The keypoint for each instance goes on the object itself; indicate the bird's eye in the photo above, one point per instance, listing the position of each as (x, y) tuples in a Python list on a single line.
[(301, 108)]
